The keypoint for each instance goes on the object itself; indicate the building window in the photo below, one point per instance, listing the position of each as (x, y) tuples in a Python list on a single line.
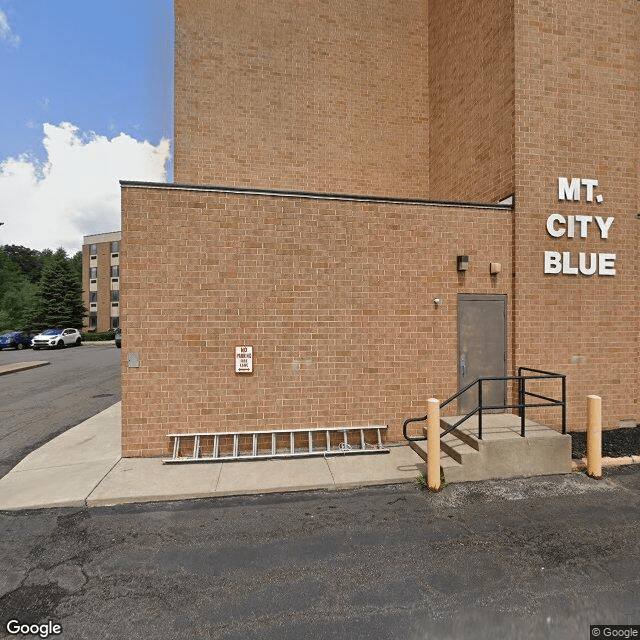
[(93, 273), (93, 296), (115, 295), (115, 322), (115, 271), (94, 249), (115, 246), (93, 322)]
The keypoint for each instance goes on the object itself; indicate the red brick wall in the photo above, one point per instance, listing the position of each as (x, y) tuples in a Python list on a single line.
[(314, 96), (577, 92), (471, 100), (335, 297)]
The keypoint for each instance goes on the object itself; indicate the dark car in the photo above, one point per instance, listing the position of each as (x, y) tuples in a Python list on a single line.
[(15, 340), (119, 338)]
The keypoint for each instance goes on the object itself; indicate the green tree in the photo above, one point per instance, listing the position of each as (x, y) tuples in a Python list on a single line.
[(29, 261), (60, 299), (15, 294), (16, 305), (76, 266)]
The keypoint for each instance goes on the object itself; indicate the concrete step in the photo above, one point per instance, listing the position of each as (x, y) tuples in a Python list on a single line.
[(447, 463), (502, 452), (457, 448)]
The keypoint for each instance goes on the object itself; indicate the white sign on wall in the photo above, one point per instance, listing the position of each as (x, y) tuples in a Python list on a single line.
[(244, 359), (579, 226)]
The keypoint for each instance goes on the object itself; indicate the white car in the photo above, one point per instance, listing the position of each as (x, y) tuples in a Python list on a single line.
[(57, 338)]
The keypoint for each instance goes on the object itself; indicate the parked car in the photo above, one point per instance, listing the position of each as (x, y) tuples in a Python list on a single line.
[(119, 338), (57, 338), (15, 340)]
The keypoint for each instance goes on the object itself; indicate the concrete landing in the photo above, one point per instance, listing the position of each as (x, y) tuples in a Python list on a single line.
[(502, 452)]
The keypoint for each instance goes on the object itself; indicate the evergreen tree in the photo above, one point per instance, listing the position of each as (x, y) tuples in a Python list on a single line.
[(39, 289), (60, 295), (76, 266)]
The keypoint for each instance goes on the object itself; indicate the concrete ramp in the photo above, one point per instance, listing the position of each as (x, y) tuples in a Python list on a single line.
[(502, 452)]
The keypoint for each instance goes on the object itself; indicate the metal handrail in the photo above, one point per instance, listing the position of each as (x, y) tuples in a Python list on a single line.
[(521, 405)]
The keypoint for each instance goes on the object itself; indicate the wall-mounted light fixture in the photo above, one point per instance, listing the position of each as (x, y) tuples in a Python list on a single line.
[(437, 302), (495, 268), (463, 263)]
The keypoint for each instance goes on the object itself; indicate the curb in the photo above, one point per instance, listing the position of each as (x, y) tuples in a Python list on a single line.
[(21, 366), (578, 464)]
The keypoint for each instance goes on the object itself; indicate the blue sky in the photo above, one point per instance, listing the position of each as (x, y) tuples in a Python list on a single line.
[(86, 100)]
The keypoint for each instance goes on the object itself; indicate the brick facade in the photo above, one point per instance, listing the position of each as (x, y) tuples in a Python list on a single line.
[(577, 114), (458, 101), (101, 311), (471, 100), (335, 297), (303, 95)]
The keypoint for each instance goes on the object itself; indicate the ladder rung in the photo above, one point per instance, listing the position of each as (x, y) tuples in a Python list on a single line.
[(195, 453)]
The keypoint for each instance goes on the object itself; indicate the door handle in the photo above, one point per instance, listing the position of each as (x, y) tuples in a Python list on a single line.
[(463, 366)]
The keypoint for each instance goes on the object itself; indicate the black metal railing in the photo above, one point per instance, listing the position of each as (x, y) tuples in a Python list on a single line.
[(522, 405)]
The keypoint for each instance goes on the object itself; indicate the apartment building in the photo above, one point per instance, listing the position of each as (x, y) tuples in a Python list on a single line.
[(101, 280), (385, 205)]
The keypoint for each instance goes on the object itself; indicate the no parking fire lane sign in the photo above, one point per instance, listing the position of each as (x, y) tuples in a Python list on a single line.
[(244, 359)]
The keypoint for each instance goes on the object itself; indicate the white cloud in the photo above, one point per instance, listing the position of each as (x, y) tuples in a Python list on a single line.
[(6, 32), (76, 192)]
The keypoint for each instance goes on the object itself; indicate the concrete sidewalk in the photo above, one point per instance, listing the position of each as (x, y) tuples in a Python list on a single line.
[(83, 466)]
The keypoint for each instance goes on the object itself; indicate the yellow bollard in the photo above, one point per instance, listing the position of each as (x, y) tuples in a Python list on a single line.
[(594, 437), (433, 444)]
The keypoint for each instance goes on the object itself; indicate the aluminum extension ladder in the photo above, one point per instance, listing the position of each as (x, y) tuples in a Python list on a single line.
[(282, 443)]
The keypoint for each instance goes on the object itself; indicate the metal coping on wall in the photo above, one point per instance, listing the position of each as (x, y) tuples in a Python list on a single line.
[(310, 195)]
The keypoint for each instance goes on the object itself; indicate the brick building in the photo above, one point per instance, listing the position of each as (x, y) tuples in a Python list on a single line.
[(334, 165), (101, 280)]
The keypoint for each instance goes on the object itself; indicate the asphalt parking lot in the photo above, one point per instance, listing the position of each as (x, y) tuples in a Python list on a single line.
[(39, 404), (519, 559)]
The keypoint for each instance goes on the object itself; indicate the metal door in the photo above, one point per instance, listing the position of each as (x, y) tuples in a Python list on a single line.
[(481, 348)]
